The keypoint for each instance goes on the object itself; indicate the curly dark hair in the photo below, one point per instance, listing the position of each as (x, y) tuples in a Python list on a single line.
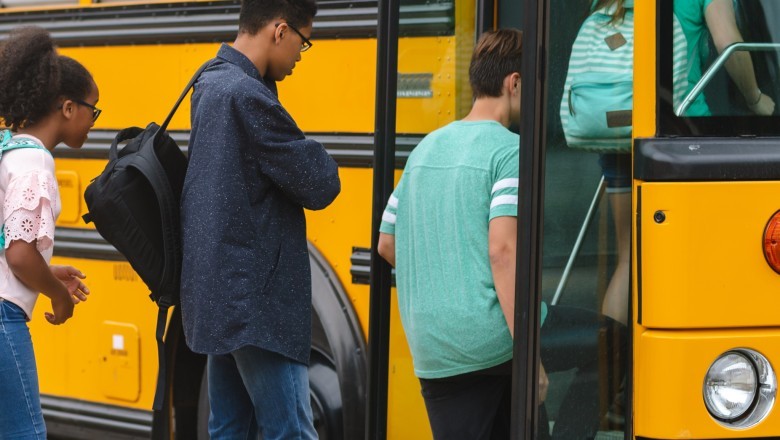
[(33, 76), (255, 14)]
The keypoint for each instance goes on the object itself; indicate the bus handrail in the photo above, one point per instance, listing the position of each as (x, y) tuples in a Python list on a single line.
[(578, 243), (715, 67)]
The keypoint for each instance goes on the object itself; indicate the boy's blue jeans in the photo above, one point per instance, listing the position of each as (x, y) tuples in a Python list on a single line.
[(251, 389), (20, 400)]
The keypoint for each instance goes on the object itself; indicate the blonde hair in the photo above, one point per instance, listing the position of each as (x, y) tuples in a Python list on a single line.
[(620, 10)]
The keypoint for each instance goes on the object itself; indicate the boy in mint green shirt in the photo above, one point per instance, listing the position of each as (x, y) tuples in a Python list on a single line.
[(450, 229)]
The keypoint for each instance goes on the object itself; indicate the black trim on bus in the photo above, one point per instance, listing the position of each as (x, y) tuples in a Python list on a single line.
[(709, 438), (73, 418), (382, 187), (530, 229), (214, 21), (349, 150), (84, 243), (638, 215), (360, 266), (707, 159)]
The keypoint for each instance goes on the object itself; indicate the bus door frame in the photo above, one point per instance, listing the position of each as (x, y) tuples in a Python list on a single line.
[(388, 18), (530, 220)]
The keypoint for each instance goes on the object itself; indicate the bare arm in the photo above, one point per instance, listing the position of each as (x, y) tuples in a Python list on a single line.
[(502, 248), (502, 244), (386, 247), (722, 25), (28, 265)]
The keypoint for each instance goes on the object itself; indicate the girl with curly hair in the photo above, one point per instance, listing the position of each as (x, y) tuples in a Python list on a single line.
[(45, 99)]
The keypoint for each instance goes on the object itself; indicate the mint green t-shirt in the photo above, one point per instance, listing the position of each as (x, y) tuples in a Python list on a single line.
[(690, 13), (456, 180)]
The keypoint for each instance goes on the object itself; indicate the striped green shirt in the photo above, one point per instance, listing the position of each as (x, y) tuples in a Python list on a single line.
[(456, 180)]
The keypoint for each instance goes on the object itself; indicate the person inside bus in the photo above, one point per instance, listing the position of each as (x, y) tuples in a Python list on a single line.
[(46, 99), (246, 287), (716, 17), (450, 230)]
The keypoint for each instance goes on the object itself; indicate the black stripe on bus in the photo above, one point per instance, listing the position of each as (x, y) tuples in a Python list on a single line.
[(638, 215), (707, 159), (80, 419), (84, 243), (360, 266), (349, 150), (214, 21)]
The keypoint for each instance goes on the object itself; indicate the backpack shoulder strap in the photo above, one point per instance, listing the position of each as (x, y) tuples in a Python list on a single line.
[(8, 143), (184, 94)]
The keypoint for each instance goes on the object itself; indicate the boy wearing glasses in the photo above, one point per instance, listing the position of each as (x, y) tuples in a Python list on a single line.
[(246, 288)]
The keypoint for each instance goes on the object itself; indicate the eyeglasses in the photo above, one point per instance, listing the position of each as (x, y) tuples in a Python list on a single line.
[(306, 44), (95, 111)]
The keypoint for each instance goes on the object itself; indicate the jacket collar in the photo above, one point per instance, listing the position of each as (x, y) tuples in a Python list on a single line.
[(233, 56)]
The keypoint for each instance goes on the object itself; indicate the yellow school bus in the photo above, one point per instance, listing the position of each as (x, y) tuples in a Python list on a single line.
[(380, 76), (98, 375)]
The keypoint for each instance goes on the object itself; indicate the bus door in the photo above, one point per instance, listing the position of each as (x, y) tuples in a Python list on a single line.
[(570, 230), (696, 352)]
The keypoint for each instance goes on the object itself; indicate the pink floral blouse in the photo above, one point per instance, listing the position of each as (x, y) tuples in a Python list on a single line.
[(30, 206)]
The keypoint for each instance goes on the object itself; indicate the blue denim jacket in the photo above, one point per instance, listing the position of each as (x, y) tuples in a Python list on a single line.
[(246, 278)]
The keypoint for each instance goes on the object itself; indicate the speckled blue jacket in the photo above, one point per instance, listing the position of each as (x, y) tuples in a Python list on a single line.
[(246, 278)]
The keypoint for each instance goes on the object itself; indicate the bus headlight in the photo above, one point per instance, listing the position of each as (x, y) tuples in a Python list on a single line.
[(740, 388)]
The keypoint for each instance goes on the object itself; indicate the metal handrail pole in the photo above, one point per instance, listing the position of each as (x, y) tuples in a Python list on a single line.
[(578, 243), (715, 67)]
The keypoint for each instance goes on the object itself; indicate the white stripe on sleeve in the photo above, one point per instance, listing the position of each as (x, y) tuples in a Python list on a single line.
[(503, 200), (390, 218), (505, 183), (393, 202)]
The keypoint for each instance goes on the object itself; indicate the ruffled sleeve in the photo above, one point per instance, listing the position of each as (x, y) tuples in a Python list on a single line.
[(28, 210)]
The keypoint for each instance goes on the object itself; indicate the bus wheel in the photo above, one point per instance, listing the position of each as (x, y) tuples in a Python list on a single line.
[(325, 400)]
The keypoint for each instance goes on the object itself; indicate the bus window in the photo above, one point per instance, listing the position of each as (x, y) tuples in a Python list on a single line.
[(731, 50)]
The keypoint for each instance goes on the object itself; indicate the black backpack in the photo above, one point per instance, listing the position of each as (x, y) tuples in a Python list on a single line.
[(134, 204)]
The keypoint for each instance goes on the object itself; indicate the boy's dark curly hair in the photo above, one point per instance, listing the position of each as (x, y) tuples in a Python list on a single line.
[(33, 77)]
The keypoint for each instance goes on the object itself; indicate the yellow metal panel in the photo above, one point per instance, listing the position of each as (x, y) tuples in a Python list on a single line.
[(140, 84), (434, 55), (406, 415), (332, 89), (670, 367), (342, 225), (72, 191), (70, 196), (644, 68), (704, 265), (120, 376), (71, 357)]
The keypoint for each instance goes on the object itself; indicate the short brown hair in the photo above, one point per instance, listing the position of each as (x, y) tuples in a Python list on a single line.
[(497, 54)]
